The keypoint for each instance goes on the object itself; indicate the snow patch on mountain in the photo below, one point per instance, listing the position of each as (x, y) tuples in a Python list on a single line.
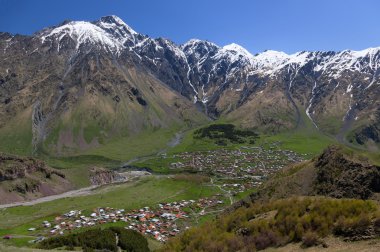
[(110, 33), (83, 33), (365, 61), (234, 52), (269, 60), (308, 110), (203, 58), (115, 23)]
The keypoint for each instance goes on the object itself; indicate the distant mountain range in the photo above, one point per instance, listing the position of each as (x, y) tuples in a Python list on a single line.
[(78, 84)]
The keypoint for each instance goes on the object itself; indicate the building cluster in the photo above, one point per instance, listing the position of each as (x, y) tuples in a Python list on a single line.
[(160, 222), (246, 167), (246, 162)]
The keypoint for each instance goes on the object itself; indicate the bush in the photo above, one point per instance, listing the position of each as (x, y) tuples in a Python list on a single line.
[(279, 222), (265, 239), (376, 225), (310, 239), (350, 227)]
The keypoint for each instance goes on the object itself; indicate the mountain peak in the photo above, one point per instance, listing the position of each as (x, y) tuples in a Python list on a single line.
[(81, 32), (238, 49), (195, 41), (112, 19), (113, 22), (271, 55), (235, 53), (109, 32), (269, 59)]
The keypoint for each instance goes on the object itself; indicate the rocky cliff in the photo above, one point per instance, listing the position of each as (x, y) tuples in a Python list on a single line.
[(101, 176), (28, 178)]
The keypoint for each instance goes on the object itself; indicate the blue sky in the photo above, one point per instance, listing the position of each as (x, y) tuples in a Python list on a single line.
[(284, 25)]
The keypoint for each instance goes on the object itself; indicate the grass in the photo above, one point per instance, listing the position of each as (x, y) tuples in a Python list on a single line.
[(373, 156), (154, 244), (145, 192), (305, 140), (16, 136), (6, 248), (143, 144), (245, 194), (159, 165), (79, 177), (311, 144), (19, 242), (81, 161)]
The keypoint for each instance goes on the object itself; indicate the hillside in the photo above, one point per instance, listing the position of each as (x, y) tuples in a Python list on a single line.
[(308, 220), (28, 178), (68, 98)]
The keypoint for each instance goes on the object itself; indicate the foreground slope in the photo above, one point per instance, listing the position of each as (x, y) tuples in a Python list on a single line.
[(293, 207), (337, 173), (276, 223)]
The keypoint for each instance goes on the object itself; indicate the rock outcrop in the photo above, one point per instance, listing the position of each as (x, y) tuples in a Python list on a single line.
[(24, 178), (340, 175), (101, 176)]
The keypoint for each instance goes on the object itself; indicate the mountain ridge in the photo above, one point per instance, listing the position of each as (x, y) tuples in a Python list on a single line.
[(337, 92)]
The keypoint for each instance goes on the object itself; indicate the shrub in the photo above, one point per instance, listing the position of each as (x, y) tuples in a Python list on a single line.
[(266, 239), (279, 222), (376, 225), (310, 239)]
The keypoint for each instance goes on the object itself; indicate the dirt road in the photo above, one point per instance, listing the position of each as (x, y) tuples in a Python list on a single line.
[(73, 193)]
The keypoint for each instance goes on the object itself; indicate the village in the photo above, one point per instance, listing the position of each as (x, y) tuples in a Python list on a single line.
[(160, 223), (240, 169)]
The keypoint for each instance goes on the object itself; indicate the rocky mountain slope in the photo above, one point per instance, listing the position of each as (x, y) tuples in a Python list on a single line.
[(28, 178), (79, 84), (76, 86)]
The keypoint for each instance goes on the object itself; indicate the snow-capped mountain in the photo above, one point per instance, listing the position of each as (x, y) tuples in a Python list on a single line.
[(109, 33), (335, 92)]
